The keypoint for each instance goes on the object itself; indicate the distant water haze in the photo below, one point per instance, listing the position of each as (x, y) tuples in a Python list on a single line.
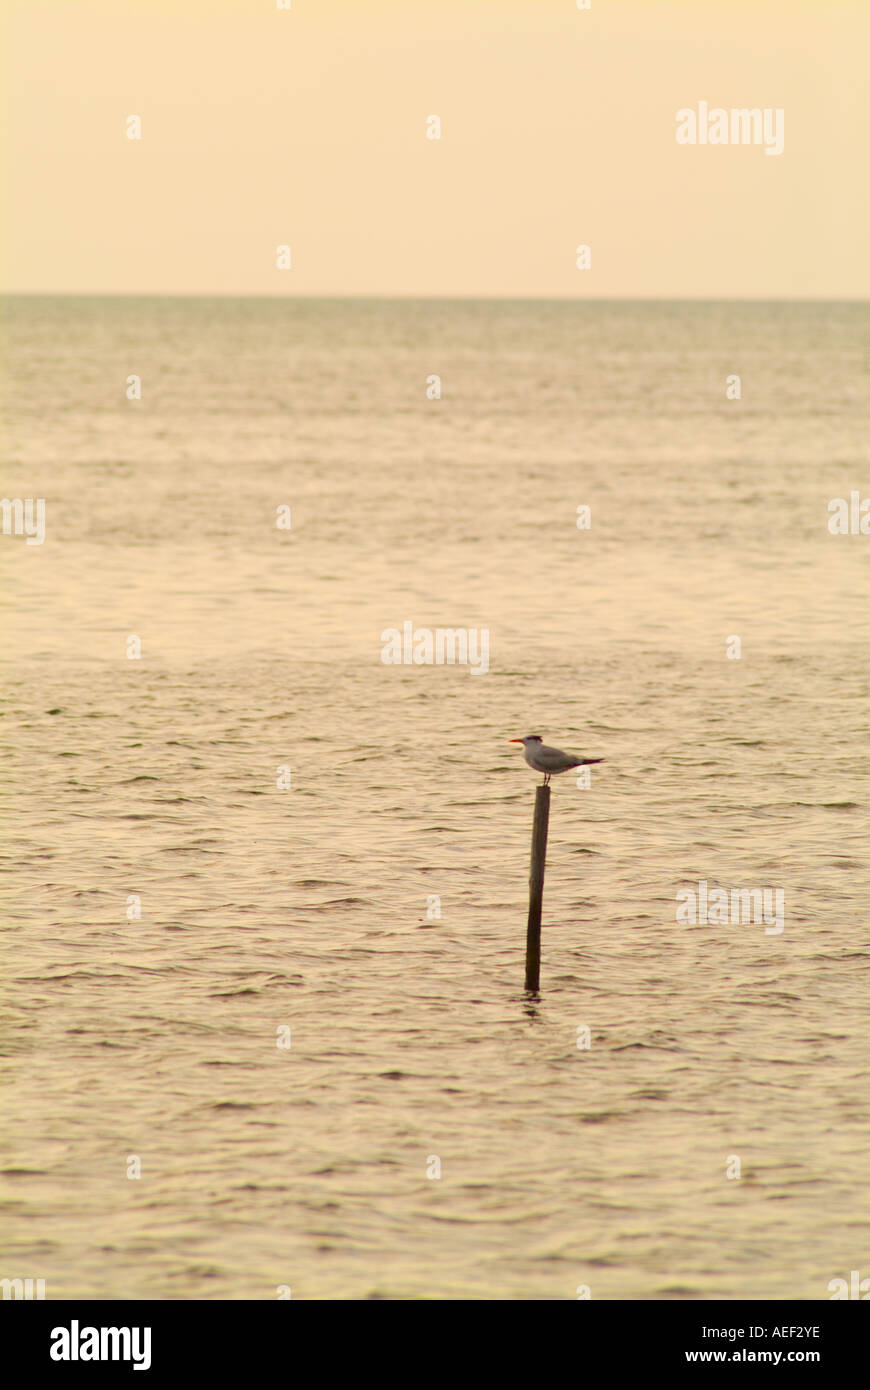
[(464, 147), (323, 842)]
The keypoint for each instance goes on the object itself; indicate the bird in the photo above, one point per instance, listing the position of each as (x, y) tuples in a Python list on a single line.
[(549, 760)]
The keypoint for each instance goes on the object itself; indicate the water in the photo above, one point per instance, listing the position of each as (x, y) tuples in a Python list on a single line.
[(307, 908)]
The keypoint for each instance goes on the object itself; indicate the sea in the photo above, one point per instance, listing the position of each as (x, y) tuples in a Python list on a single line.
[(264, 1025)]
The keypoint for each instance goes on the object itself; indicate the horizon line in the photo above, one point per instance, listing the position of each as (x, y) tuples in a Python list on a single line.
[(440, 298)]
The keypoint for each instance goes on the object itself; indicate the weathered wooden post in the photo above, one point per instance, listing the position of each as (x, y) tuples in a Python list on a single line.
[(536, 887)]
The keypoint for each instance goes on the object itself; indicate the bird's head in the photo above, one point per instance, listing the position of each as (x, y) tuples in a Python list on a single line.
[(529, 738)]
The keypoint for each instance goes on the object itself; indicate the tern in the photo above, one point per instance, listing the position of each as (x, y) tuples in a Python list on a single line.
[(549, 760)]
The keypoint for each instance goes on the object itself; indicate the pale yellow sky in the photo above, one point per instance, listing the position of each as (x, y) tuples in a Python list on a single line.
[(262, 127)]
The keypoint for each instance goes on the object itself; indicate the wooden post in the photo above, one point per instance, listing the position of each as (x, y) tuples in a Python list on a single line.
[(536, 887)]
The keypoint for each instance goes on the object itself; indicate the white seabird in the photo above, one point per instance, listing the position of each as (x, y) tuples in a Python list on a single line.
[(549, 760)]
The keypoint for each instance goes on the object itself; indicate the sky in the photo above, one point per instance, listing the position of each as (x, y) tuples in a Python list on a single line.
[(264, 127)]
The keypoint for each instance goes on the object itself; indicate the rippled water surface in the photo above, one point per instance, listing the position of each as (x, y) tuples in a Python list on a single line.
[(306, 908)]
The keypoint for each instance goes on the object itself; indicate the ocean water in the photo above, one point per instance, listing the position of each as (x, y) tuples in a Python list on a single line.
[(312, 907)]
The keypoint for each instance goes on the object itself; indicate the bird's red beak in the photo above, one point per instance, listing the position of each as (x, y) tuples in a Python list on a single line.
[(514, 740)]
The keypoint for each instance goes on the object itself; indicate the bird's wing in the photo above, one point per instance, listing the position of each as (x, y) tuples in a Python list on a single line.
[(554, 760)]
